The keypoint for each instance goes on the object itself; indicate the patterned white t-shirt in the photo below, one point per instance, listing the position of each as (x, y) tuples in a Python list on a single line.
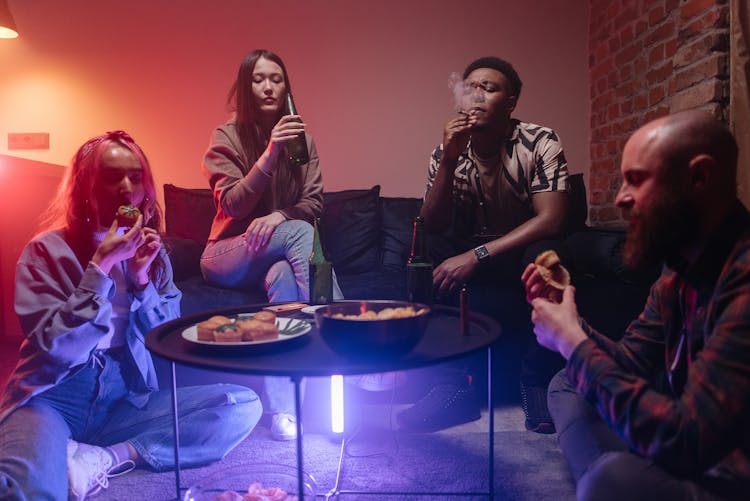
[(493, 196)]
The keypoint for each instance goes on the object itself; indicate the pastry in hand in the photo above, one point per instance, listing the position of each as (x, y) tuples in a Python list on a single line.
[(127, 215), (551, 270)]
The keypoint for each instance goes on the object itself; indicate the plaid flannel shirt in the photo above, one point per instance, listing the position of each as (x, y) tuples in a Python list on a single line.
[(694, 337)]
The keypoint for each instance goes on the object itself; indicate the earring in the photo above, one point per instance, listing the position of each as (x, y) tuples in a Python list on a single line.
[(87, 211)]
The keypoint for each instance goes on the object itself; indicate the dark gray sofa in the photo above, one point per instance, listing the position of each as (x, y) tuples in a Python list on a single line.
[(368, 238)]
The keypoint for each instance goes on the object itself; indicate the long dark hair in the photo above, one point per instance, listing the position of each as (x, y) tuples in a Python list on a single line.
[(254, 139), (74, 207)]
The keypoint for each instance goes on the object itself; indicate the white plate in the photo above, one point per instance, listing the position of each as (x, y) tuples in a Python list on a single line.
[(300, 328), (310, 310)]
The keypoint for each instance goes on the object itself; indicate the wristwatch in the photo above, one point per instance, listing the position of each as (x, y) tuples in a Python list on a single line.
[(481, 253)]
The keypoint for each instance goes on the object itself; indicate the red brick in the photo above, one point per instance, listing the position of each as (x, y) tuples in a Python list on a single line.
[(660, 34), (697, 95), (670, 48), (641, 101), (655, 95), (609, 214), (612, 111), (626, 106), (695, 7), (626, 72), (712, 19), (713, 66), (656, 54), (626, 35), (656, 15), (601, 69), (640, 27), (627, 53), (699, 48), (627, 14), (655, 113), (659, 74)]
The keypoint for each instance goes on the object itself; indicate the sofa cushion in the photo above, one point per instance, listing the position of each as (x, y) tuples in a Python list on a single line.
[(189, 212), (185, 255), (397, 216), (351, 229)]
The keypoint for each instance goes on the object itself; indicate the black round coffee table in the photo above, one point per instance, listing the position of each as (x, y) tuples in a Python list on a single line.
[(309, 356)]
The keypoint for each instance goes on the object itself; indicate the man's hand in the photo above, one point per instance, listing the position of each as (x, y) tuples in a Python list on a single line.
[(115, 248), (261, 229), (456, 135), (537, 287), (140, 264), (454, 272), (557, 326)]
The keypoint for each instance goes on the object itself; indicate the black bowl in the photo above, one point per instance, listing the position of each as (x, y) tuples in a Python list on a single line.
[(359, 339)]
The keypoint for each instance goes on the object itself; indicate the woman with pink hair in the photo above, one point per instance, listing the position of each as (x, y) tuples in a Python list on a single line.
[(83, 402)]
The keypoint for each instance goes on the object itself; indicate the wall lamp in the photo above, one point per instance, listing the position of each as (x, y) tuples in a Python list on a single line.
[(7, 23)]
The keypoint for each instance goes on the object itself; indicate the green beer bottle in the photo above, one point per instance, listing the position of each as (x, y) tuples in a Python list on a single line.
[(419, 267), (296, 148), (320, 271)]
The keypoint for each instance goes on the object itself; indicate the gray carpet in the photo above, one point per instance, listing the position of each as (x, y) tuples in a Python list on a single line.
[(378, 457)]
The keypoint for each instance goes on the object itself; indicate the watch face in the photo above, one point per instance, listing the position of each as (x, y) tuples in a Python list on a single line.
[(481, 252)]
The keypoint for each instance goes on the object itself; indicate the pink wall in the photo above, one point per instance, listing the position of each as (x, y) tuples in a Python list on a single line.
[(370, 78)]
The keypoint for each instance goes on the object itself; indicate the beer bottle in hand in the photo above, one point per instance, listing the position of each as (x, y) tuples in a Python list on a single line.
[(296, 148), (320, 271), (419, 267)]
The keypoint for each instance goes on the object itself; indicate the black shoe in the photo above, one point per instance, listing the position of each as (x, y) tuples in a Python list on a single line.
[(534, 403), (444, 406)]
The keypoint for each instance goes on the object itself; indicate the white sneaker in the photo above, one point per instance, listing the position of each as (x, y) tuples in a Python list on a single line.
[(90, 468), (283, 426), (381, 381)]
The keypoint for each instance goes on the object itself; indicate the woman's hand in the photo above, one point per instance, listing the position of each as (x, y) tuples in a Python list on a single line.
[(115, 248), (261, 229), (140, 264), (288, 127)]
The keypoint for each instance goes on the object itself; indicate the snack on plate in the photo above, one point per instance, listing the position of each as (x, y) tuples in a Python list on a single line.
[(254, 330), (206, 328), (551, 269), (227, 333), (384, 314), (268, 317), (127, 215)]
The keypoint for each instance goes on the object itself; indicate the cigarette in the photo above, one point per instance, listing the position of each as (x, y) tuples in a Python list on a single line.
[(464, 311)]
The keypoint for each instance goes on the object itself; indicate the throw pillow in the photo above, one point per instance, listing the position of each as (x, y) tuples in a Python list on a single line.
[(351, 229), (189, 212)]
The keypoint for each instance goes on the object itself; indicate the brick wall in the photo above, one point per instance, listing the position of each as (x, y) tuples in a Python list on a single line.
[(648, 58)]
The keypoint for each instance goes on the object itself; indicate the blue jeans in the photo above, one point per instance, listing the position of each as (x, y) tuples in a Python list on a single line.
[(282, 265), (89, 407)]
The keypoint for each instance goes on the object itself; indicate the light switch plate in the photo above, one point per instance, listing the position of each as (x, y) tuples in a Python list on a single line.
[(28, 140)]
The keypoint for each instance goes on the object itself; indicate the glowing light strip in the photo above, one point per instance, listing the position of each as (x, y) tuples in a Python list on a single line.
[(337, 404)]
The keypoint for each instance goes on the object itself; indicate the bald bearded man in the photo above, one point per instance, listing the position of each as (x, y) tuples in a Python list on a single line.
[(664, 413)]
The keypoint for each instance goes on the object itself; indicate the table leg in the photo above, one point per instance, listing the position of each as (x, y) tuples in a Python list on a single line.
[(176, 428), (491, 415), (298, 412)]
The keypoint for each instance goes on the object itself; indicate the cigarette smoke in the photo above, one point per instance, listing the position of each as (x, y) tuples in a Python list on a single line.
[(464, 94)]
